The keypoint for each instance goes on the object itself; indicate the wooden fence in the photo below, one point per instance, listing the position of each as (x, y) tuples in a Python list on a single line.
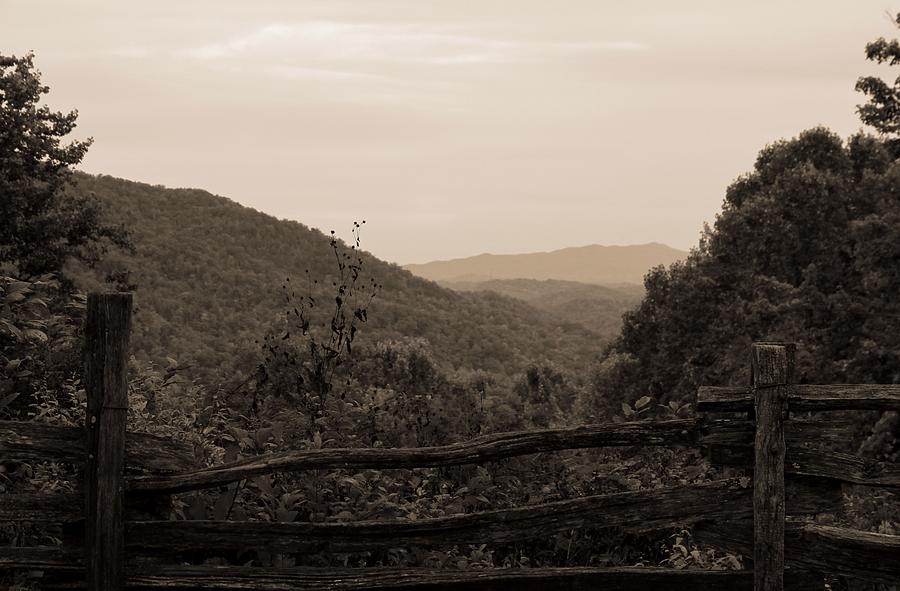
[(765, 518)]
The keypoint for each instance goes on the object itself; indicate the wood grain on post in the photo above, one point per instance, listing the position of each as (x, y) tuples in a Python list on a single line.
[(106, 383), (773, 368)]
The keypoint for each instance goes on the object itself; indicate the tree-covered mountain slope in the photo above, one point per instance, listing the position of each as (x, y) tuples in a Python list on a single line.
[(596, 307), (209, 272)]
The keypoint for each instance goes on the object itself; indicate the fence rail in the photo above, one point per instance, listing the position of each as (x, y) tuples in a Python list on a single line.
[(124, 546), (650, 509), (852, 553), (41, 508), (679, 432), (143, 452), (805, 397), (537, 579)]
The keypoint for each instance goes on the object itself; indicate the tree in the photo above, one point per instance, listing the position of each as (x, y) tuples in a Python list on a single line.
[(800, 252), (805, 250), (883, 109), (42, 227)]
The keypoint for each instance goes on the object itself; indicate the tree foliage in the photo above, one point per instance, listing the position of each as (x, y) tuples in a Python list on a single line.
[(802, 251), (41, 227), (883, 109)]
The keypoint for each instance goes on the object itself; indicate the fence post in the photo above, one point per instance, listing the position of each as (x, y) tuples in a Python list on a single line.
[(772, 370), (106, 382)]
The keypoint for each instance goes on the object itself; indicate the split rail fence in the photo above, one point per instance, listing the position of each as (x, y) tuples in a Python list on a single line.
[(766, 518)]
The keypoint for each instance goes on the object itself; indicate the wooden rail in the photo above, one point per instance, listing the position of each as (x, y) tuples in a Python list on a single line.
[(236, 578), (853, 553), (143, 453), (657, 509), (149, 576), (43, 558), (482, 449), (689, 432), (50, 508), (805, 397), (803, 461), (125, 549)]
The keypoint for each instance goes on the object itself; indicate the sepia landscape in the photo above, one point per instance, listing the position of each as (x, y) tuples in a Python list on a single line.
[(492, 298)]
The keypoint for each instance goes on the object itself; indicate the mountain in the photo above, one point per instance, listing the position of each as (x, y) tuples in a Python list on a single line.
[(208, 274), (586, 264), (596, 307)]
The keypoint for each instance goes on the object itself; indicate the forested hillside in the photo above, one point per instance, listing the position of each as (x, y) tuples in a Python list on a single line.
[(597, 307), (208, 276)]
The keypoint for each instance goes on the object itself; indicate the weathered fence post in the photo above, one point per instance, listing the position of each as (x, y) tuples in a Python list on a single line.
[(106, 383), (773, 368)]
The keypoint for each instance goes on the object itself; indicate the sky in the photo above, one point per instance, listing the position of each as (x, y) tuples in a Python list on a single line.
[(453, 127)]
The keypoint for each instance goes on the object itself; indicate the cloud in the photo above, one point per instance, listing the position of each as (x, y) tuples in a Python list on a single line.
[(134, 51), (346, 86), (261, 38), (332, 41), (381, 62), (328, 75)]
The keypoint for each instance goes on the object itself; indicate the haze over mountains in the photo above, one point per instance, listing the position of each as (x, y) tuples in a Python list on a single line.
[(604, 265), (596, 307)]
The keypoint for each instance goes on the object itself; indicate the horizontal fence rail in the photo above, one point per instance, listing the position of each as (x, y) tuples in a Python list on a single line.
[(729, 442), (58, 559), (236, 578), (143, 575), (857, 554), (54, 507), (482, 449), (805, 397), (651, 509), (37, 441), (688, 432), (802, 461)]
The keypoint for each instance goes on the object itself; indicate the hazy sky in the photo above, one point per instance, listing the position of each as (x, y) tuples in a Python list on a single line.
[(453, 127)]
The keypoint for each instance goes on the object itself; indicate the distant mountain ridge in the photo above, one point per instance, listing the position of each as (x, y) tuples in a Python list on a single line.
[(597, 264)]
